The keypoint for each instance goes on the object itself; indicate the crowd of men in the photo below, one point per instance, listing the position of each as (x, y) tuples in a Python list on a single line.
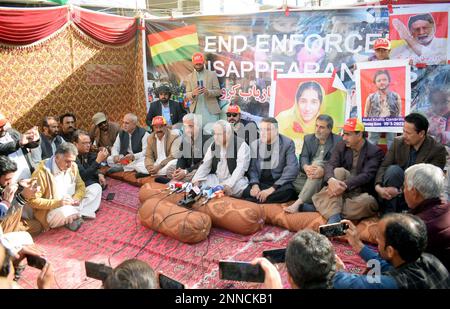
[(53, 177)]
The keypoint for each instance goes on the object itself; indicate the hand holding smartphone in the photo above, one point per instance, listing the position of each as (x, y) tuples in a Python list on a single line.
[(275, 255), (168, 283), (333, 230), (36, 261), (97, 271), (241, 271)]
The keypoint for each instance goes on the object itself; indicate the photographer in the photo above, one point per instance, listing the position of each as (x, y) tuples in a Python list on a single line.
[(8, 263), (402, 262), (13, 197)]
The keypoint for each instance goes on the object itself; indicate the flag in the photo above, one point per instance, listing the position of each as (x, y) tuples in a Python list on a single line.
[(173, 45)]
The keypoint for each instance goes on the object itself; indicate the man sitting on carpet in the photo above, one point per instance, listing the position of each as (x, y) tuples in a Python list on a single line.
[(103, 133), (17, 147), (162, 148), (89, 162), (50, 140), (415, 146), (350, 173), (424, 186), (63, 198), (128, 151), (225, 162), (13, 199), (316, 151), (402, 239), (67, 126), (132, 274), (193, 146), (273, 167), (310, 263)]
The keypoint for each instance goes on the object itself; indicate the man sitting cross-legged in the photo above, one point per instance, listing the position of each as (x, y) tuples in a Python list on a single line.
[(162, 147), (350, 174), (273, 166), (128, 151), (225, 162), (63, 198)]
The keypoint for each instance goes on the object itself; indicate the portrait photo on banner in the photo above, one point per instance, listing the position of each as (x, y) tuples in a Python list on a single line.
[(383, 94), (297, 100), (420, 34)]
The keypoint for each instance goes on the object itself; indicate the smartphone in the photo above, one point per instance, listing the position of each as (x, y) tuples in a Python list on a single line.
[(36, 261), (332, 230), (275, 255), (200, 83), (110, 196), (240, 271), (97, 271), (168, 283)]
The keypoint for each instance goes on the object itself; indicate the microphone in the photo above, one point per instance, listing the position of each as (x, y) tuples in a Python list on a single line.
[(176, 187), (216, 191), (194, 195)]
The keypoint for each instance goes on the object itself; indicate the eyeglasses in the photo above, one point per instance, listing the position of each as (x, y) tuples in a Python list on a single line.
[(232, 115)]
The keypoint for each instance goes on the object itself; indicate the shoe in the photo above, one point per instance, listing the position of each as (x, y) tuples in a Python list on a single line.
[(115, 169), (75, 225), (162, 179), (141, 175)]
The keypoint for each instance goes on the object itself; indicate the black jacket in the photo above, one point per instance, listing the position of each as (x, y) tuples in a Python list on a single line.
[(88, 168), (368, 163), (177, 112)]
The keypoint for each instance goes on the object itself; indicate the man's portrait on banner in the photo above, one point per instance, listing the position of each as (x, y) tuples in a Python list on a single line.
[(419, 36), (383, 94)]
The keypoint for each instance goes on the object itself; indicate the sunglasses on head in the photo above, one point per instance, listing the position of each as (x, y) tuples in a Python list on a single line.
[(231, 115)]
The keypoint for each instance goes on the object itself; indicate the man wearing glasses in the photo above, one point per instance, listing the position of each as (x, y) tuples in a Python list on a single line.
[(245, 129), (103, 133)]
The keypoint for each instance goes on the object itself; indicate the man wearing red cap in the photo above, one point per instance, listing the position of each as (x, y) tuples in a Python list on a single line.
[(350, 175), (162, 147), (247, 130), (202, 89)]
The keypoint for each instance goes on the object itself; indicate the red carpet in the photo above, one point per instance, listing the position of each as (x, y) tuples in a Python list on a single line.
[(115, 236)]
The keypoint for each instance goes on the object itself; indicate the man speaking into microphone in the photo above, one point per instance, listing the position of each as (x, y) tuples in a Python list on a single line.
[(226, 162)]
